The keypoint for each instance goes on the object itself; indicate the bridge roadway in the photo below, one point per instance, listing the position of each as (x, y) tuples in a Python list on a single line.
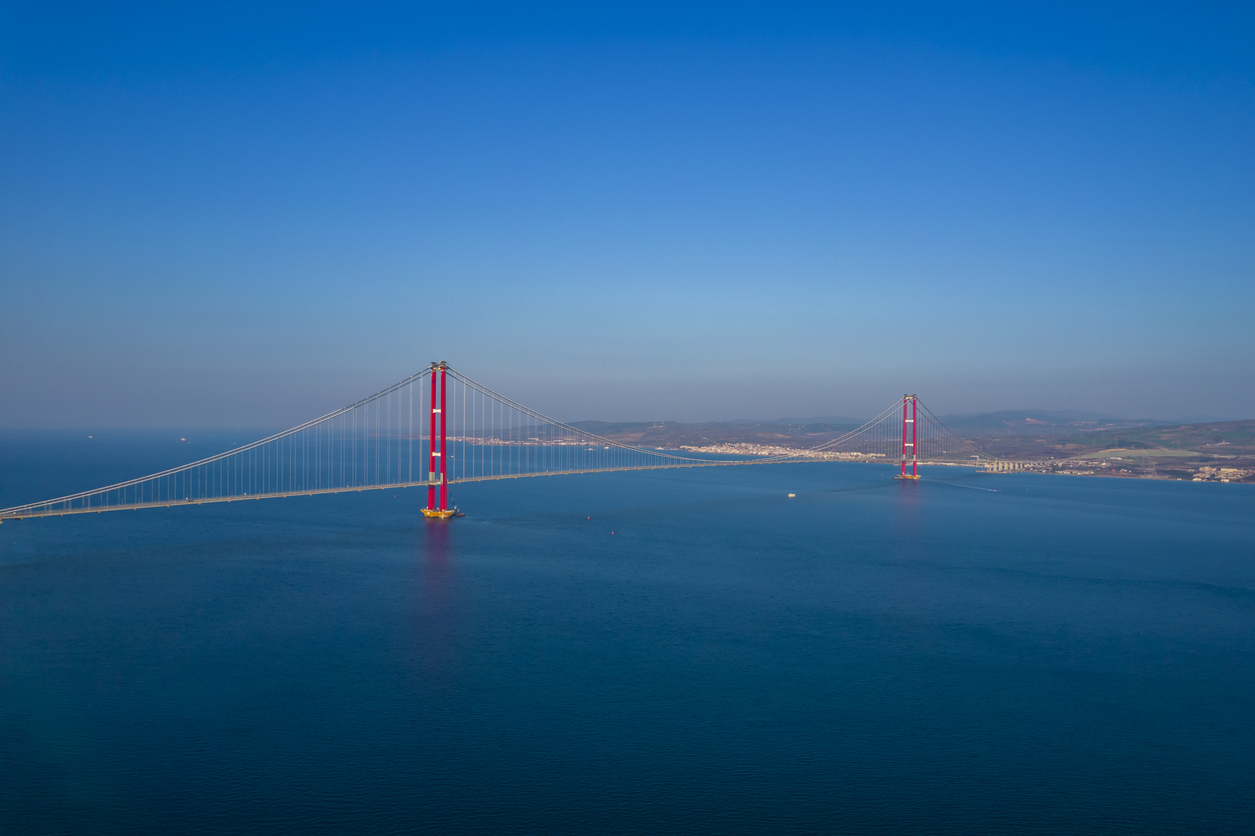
[(463, 480), (393, 486)]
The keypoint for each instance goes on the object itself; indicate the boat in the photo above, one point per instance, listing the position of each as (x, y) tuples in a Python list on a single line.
[(438, 514)]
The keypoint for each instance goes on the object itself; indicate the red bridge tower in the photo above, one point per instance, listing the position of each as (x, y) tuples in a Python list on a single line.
[(910, 438), (436, 450)]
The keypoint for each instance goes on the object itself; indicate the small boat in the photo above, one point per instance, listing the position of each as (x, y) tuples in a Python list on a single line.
[(434, 514)]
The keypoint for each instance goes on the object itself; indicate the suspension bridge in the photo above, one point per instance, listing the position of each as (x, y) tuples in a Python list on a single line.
[(439, 428)]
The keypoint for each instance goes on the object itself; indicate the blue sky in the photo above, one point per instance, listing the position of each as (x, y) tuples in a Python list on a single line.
[(242, 217)]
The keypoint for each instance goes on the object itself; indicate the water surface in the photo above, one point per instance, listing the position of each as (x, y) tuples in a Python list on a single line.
[(651, 652)]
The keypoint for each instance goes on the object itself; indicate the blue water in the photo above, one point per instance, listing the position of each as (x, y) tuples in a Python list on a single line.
[(651, 652)]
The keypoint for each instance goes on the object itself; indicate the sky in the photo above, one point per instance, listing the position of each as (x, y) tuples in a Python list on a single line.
[(245, 215)]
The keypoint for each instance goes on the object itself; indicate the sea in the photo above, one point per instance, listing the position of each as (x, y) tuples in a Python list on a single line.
[(654, 652)]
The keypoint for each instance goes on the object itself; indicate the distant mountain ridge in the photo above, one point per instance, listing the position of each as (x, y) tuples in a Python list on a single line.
[(1015, 421), (797, 422), (1165, 450), (1023, 432), (1003, 421), (672, 434)]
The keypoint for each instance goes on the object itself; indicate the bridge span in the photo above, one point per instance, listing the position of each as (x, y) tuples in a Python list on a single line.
[(439, 427)]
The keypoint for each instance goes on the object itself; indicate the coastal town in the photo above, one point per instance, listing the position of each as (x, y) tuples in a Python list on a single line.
[(774, 450), (1221, 452), (1117, 466)]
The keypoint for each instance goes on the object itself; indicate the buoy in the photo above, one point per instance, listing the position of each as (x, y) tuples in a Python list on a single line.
[(792, 495)]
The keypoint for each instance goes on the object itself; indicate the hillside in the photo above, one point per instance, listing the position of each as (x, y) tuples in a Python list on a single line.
[(1164, 451), (1077, 443), (672, 435), (1037, 421)]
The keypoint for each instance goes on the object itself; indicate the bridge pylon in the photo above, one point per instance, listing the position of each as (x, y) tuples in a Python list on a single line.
[(437, 491), (910, 437)]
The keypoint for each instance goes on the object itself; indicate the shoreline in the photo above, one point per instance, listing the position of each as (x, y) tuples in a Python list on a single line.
[(1054, 467)]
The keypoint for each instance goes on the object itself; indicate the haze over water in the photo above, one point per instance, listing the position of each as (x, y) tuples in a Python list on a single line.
[(971, 653)]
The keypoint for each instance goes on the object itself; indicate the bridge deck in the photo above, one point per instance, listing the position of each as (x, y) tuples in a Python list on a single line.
[(397, 485), (393, 486)]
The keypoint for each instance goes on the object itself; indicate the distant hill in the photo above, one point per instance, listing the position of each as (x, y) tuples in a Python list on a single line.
[(1168, 448), (1012, 422), (1033, 421), (1022, 435), (1218, 438), (672, 434), (833, 420)]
